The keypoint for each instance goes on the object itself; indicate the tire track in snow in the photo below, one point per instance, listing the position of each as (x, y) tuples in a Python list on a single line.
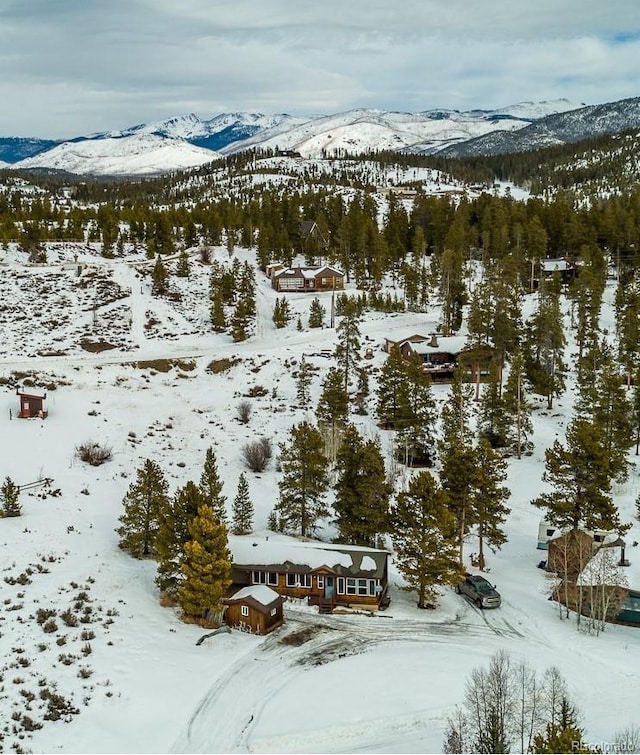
[(253, 680)]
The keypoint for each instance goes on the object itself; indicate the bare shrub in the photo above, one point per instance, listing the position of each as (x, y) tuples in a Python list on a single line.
[(69, 618), (50, 626), (222, 365), (244, 412), (257, 454), (256, 391), (94, 454)]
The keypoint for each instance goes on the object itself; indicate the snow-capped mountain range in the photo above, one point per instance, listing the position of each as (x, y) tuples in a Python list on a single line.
[(188, 141)]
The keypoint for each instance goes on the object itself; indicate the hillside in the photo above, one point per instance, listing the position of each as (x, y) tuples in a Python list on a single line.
[(157, 393)]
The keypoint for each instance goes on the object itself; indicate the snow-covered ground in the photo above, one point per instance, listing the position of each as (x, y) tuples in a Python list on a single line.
[(131, 668)]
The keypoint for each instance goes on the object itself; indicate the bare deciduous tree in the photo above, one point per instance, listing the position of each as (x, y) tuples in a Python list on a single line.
[(628, 739), (506, 705)]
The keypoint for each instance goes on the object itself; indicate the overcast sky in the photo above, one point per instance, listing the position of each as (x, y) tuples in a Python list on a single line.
[(71, 67)]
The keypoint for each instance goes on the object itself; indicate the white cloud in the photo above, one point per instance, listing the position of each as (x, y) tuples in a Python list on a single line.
[(71, 68)]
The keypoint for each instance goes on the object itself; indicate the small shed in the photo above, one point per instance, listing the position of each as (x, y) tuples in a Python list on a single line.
[(31, 405), (256, 609)]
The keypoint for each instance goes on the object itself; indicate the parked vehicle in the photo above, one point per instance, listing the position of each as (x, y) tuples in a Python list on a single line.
[(480, 591)]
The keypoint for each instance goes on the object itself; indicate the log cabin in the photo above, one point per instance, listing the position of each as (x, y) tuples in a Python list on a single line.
[(325, 574), (307, 279)]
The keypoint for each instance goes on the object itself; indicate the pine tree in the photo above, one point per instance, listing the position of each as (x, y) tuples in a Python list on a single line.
[(173, 533), (10, 498), (488, 499), (586, 290), (423, 533), (603, 400), (183, 268), (457, 456), (272, 522), (159, 278), (635, 410), (332, 410), (211, 486), (240, 321), (517, 406), (242, 509), (206, 568), (304, 480), (347, 352), (580, 475), (493, 421), (281, 313), (316, 313), (627, 308), (218, 319), (247, 288), (394, 402), (452, 290), (143, 503), (562, 735), (362, 492), (303, 383), (544, 346), (417, 437)]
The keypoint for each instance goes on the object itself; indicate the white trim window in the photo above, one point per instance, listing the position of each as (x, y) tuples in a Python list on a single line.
[(360, 587), (244, 610), (264, 577), (320, 581), (298, 580), (274, 611)]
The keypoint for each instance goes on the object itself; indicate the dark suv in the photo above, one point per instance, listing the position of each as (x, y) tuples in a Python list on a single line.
[(480, 591)]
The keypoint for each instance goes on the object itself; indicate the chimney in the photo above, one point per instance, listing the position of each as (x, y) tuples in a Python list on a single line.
[(434, 341)]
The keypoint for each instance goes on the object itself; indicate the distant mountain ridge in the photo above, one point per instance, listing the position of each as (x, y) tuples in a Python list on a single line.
[(188, 141), (557, 128)]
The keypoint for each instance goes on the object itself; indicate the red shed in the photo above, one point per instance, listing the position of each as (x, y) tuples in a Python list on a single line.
[(31, 405)]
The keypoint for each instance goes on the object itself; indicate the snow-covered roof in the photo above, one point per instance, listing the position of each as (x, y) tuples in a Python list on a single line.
[(603, 568), (260, 593), (549, 266), (287, 271), (275, 552), (307, 272), (328, 269), (447, 345)]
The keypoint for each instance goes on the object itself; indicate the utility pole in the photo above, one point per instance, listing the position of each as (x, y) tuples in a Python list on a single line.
[(333, 304)]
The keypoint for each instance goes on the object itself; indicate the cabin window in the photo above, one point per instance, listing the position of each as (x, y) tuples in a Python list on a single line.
[(273, 611), (298, 580), (244, 610), (550, 531), (320, 581), (359, 586), (264, 578), (340, 585)]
